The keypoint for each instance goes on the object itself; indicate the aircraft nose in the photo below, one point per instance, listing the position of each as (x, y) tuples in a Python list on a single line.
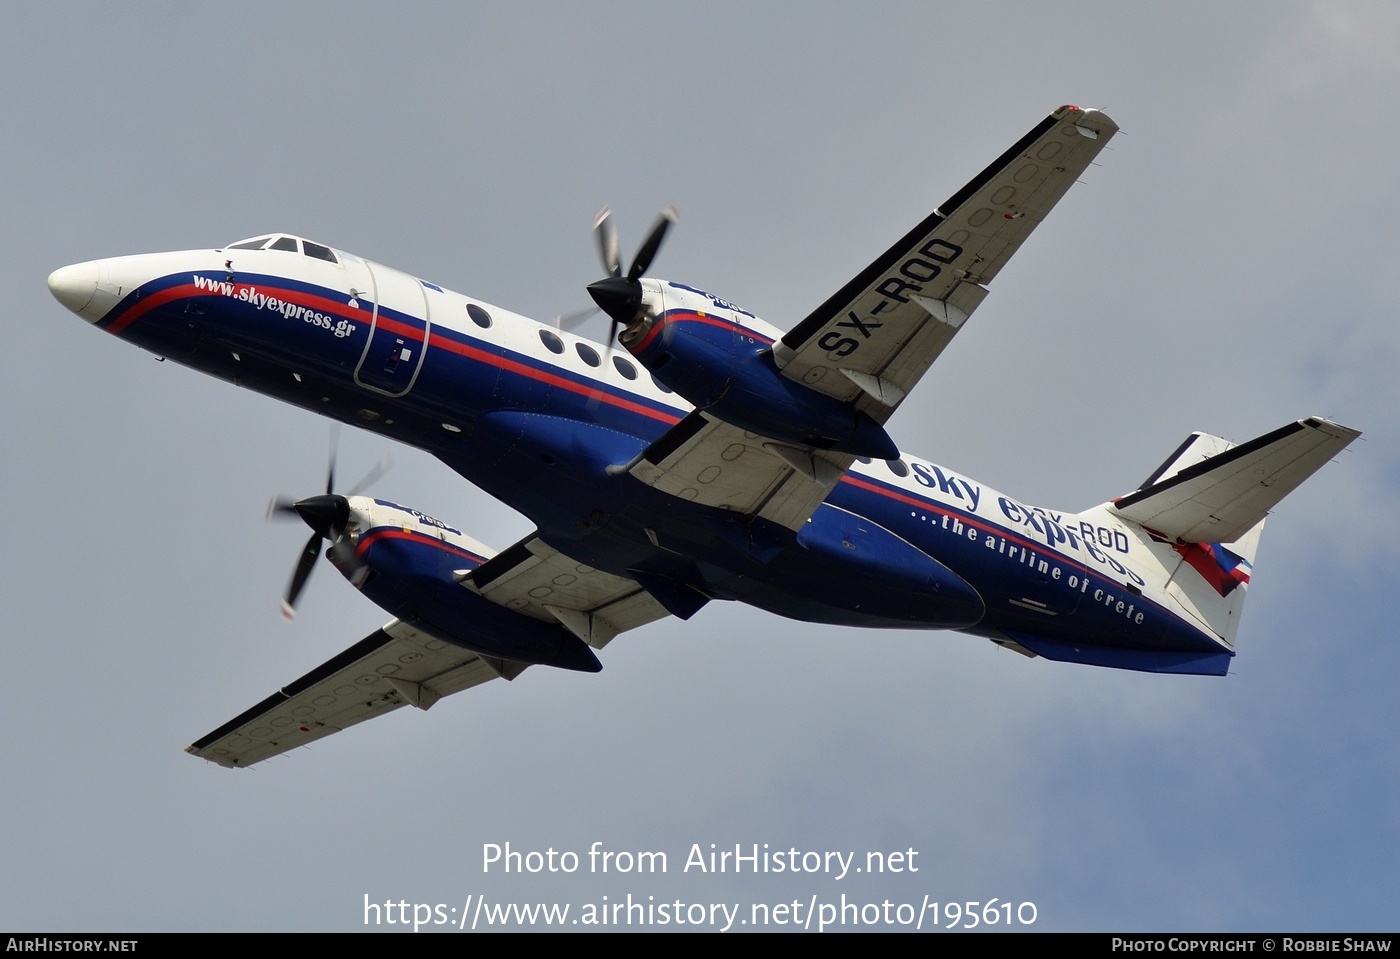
[(74, 286)]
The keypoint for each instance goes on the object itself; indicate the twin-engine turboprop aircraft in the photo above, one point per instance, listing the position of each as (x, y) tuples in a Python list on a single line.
[(718, 458)]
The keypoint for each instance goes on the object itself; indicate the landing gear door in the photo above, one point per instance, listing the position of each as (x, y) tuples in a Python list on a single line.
[(399, 327)]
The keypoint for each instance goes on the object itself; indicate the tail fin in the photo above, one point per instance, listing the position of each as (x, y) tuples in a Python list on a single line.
[(1208, 502)]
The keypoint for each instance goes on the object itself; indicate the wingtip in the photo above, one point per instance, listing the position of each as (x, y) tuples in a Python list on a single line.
[(1079, 115), (1331, 426)]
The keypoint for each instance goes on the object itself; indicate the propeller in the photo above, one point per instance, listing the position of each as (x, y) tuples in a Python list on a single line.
[(621, 296), (327, 514), (570, 321)]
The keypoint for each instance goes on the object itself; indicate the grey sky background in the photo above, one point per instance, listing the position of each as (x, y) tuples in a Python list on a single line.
[(1228, 266)]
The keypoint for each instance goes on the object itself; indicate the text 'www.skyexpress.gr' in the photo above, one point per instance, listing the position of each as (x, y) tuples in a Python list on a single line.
[(478, 912)]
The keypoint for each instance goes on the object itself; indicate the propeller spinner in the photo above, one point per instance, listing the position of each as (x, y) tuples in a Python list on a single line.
[(328, 515), (621, 296)]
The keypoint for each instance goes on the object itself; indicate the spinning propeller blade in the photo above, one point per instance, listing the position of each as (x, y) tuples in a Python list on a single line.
[(327, 514), (647, 252), (621, 296), (606, 233)]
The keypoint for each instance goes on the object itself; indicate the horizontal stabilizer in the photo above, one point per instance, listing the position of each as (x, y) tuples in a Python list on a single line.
[(1212, 492)]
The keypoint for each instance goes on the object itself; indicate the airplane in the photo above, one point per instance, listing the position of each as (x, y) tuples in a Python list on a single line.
[(713, 457)]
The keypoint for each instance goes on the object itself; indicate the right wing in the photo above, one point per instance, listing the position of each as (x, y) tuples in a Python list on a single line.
[(391, 667), (708, 461), (400, 665), (534, 579)]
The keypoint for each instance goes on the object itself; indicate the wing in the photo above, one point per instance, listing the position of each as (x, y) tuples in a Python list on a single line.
[(400, 665), (534, 579), (869, 344), (705, 460), (875, 337), (391, 667)]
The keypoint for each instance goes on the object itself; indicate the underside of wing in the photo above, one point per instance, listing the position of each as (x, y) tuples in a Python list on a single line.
[(401, 665), (870, 343), (392, 667), (534, 579), (708, 461)]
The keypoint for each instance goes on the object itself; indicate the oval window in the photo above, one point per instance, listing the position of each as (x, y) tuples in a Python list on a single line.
[(625, 368), (551, 342), (483, 319), (897, 467), (588, 354)]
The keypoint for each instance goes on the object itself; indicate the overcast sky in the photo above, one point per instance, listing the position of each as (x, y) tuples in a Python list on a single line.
[(1228, 266)]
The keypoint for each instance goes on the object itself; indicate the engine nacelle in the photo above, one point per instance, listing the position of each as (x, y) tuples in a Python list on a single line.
[(699, 347), (407, 563)]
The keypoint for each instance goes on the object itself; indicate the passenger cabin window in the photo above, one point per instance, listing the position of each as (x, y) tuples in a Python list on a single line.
[(588, 353), (626, 369), (660, 385), (897, 467), (287, 243), (552, 342), (318, 251), (483, 319)]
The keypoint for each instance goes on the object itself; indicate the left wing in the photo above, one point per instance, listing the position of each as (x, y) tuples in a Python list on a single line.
[(870, 343), (392, 667)]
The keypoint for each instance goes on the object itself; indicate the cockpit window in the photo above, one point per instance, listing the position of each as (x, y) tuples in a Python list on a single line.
[(318, 251), (289, 244)]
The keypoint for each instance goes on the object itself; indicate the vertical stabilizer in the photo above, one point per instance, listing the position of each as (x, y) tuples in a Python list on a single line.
[(1210, 581)]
